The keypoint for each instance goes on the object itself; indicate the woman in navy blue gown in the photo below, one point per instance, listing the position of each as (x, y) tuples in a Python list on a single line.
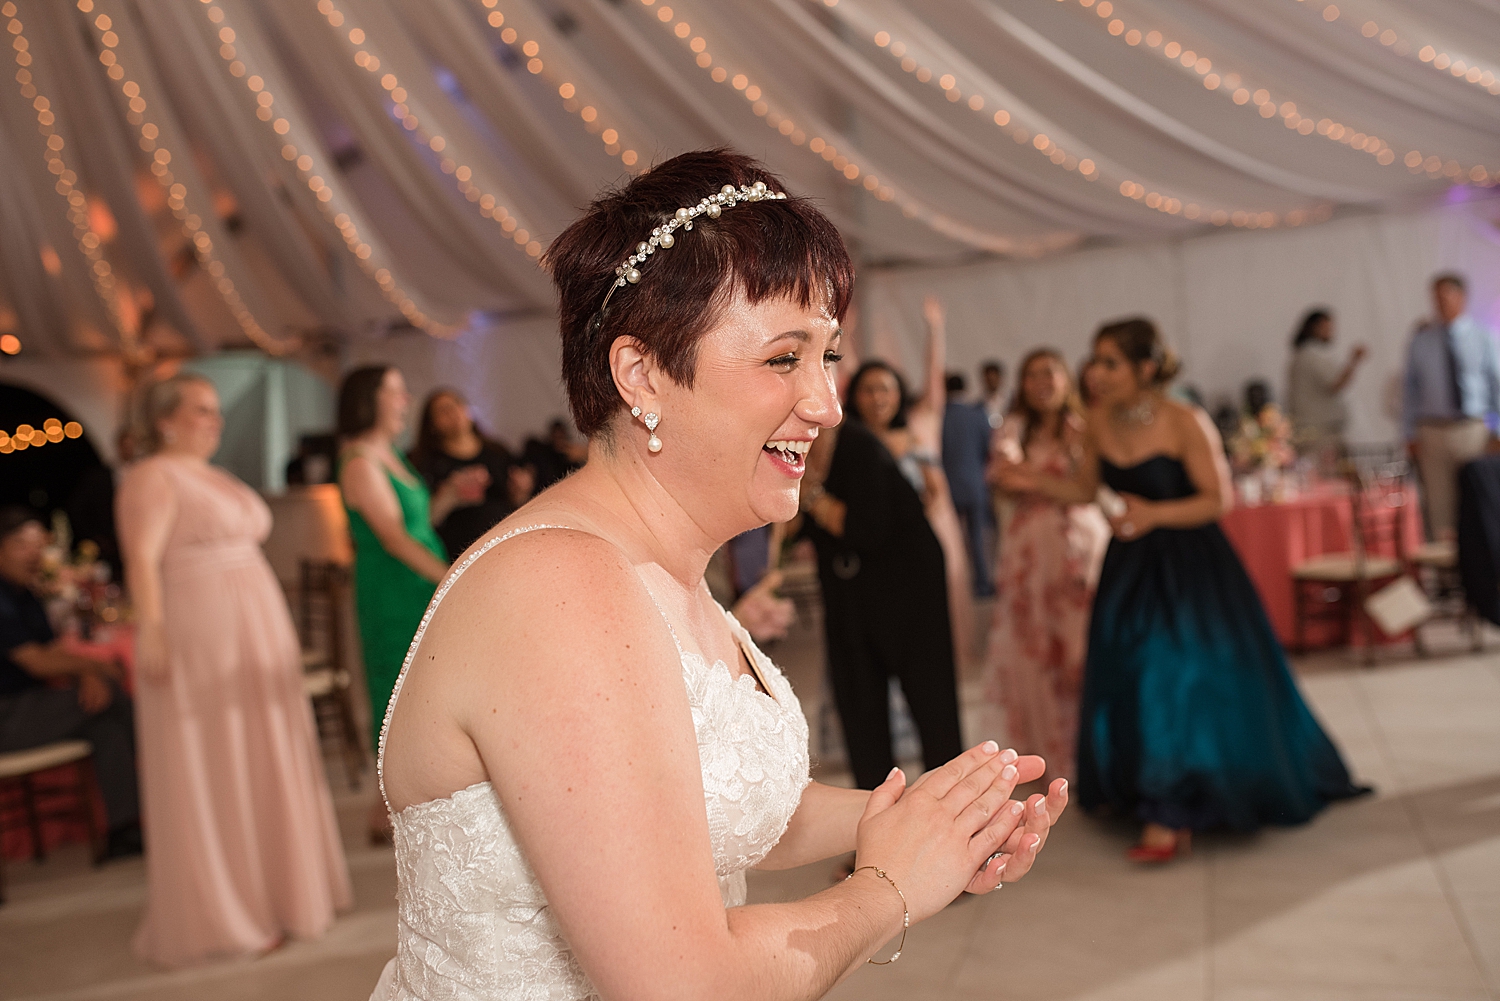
[(1190, 716)]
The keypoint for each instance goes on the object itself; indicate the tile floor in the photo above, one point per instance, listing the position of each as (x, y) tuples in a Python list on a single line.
[(1394, 897)]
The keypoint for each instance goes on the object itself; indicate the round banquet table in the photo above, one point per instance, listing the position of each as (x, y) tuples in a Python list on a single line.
[(1273, 538)]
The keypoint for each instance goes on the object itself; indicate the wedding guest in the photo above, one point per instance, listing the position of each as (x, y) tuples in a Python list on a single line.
[(447, 441), (1190, 718), (992, 387), (911, 429), (966, 452), (885, 593), (555, 456), (48, 693), (398, 557), (1317, 380), (1450, 399), (1257, 398), (1048, 566), (244, 844), (587, 753)]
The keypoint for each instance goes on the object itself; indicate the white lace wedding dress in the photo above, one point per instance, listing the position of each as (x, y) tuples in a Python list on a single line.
[(472, 921)]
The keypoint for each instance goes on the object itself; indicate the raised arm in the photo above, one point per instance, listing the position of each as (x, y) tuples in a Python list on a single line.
[(935, 376), (368, 490), (145, 509), (605, 794)]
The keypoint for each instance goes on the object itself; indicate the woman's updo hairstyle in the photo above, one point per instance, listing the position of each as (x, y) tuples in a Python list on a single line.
[(159, 402), (762, 250), (1139, 341)]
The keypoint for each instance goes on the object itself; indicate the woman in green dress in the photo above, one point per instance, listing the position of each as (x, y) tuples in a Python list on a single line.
[(398, 558)]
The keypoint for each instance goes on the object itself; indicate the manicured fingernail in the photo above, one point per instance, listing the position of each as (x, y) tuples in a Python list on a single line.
[(1036, 840), (1017, 808), (1008, 772), (1009, 755), (1063, 787), (1041, 807), (1000, 867), (893, 773), (989, 747)]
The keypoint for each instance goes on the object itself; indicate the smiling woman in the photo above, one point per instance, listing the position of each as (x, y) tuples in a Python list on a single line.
[(584, 752)]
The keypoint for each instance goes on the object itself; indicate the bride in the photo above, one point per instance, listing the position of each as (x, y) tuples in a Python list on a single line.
[(584, 753)]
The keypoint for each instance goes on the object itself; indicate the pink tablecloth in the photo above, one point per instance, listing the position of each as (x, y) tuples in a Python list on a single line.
[(1271, 539)]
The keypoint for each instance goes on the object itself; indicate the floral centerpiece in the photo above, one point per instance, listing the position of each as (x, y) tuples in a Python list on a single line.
[(1263, 441), (1260, 453)]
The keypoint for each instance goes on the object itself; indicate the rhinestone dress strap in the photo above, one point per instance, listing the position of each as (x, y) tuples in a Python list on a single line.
[(416, 640)]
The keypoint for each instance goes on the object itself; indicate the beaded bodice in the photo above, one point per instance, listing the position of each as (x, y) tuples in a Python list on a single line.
[(473, 923)]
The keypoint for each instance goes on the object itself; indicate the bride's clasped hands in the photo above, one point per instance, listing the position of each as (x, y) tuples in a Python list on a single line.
[(956, 828)]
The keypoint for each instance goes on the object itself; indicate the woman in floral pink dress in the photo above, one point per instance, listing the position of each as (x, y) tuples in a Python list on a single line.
[(1049, 562)]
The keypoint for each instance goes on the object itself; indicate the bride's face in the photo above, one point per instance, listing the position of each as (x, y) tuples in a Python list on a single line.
[(734, 446)]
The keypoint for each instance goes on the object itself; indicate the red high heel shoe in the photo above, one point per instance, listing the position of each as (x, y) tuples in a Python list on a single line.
[(1182, 846)]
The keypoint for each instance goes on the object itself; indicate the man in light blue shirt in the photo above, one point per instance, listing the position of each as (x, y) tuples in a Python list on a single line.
[(1451, 399)]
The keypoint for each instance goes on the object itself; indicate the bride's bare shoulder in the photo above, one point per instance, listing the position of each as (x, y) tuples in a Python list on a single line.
[(543, 590)]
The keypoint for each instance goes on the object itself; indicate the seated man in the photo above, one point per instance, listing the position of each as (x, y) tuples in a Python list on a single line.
[(48, 694)]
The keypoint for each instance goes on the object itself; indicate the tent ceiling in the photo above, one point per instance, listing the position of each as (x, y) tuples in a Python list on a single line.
[(187, 174)]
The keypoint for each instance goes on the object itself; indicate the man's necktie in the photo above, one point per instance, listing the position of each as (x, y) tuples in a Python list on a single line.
[(1454, 383)]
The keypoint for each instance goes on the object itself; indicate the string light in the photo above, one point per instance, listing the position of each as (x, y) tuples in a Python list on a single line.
[(1147, 195), (849, 166), (151, 141), (401, 107), (1261, 100), (52, 431), (1454, 66), (310, 164), (588, 114), (89, 243)]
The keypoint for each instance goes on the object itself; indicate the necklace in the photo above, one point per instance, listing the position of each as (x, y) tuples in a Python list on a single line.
[(1143, 413)]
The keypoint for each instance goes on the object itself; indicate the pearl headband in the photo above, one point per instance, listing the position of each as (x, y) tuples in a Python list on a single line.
[(726, 197)]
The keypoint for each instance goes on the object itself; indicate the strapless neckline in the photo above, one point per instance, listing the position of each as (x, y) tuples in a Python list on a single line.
[(1154, 456)]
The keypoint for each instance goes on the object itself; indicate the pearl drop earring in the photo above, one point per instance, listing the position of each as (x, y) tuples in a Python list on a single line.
[(653, 443)]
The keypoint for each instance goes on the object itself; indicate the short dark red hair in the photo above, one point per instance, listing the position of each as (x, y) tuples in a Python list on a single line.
[(763, 250)]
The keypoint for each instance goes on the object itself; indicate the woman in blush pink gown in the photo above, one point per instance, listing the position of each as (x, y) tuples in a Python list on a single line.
[(1049, 563), (242, 844)]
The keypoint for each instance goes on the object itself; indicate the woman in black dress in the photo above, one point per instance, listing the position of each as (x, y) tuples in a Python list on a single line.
[(447, 441), (1191, 718), (884, 591)]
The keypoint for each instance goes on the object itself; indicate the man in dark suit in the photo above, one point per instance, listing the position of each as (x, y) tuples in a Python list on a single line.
[(966, 452)]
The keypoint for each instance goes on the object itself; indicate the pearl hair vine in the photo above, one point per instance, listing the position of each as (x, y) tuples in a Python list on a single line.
[(662, 237)]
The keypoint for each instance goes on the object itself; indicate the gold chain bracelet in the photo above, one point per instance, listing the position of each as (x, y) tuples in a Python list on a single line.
[(905, 913)]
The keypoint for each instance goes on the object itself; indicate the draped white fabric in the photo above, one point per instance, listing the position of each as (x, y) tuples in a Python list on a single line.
[(306, 172)]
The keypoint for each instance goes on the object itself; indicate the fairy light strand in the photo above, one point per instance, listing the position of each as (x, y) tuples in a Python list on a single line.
[(51, 432), (1268, 107), (615, 143), (89, 244), (400, 105), (1164, 202), (107, 32), (311, 170), (1470, 72), (845, 164)]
